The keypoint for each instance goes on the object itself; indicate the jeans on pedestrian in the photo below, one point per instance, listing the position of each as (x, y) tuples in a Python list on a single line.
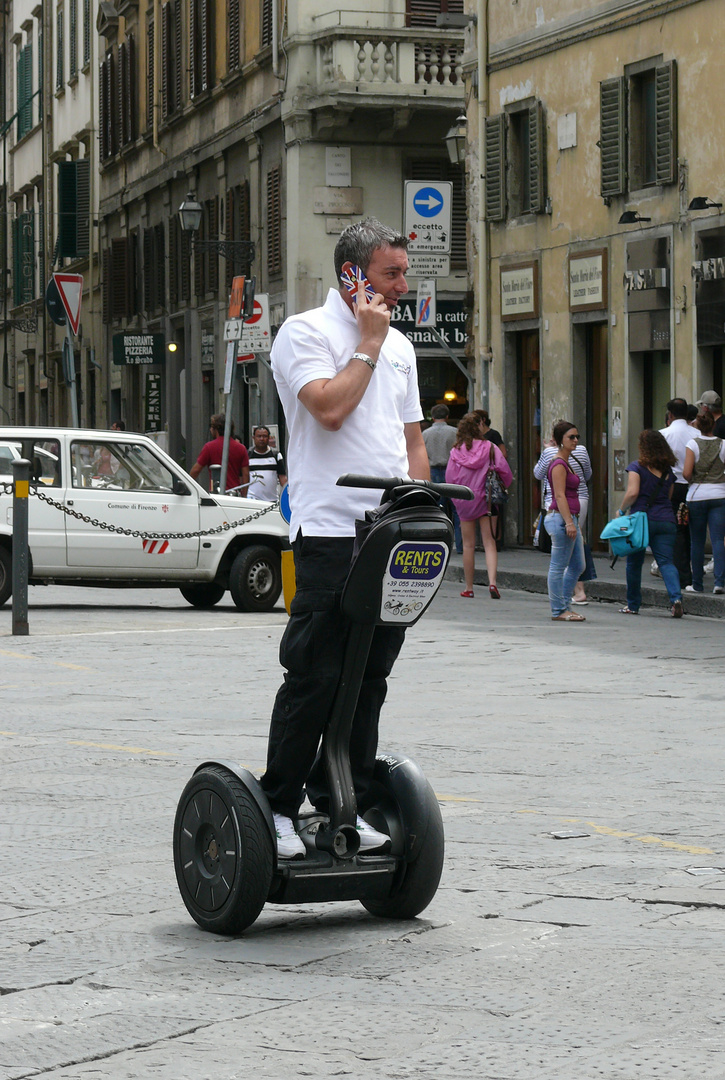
[(662, 541), (438, 476), (682, 538), (704, 514), (567, 561)]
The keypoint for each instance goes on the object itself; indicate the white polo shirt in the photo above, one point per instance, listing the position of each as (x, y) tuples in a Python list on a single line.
[(317, 345), (678, 434)]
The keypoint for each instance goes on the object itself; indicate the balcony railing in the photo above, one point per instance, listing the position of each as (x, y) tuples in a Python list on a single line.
[(392, 57)]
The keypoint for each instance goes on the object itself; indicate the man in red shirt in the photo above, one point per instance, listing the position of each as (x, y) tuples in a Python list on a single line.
[(211, 454)]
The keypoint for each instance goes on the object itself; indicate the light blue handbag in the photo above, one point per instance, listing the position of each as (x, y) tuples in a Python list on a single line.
[(627, 534)]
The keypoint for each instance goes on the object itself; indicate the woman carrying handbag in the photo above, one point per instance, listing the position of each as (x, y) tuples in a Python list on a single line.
[(649, 487), (562, 525), (477, 463)]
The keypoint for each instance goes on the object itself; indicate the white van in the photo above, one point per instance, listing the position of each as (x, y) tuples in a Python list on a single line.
[(111, 508)]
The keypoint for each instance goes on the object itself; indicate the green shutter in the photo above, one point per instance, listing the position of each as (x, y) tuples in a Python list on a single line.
[(25, 90), (537, 159), (74, 180), (666, 106), (613, 134), (496, 167)]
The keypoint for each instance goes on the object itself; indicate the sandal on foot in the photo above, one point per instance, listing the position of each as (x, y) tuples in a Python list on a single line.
[(627, 611), (568, 616), (467, 592), (495, 594)]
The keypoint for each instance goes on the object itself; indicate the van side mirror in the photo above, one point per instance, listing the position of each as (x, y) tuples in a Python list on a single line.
[(179, 487)]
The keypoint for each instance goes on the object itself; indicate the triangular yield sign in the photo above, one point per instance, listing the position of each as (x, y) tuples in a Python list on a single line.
[(70, 288)]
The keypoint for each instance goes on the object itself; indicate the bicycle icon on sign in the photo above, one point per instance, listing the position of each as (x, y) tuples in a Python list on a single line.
[(397, 607)]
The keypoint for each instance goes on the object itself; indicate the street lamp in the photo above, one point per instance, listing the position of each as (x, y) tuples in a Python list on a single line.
[(190, 215), (456, 139)]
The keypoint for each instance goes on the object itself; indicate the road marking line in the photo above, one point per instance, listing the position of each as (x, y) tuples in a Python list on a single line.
[(456, 798), (606, 830), (168, 630), (55, 663), (125, 749)]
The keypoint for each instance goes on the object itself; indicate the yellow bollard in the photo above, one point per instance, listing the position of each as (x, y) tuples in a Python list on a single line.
[(289, 582)]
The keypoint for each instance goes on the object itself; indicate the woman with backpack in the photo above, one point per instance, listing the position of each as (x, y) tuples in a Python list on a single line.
[(704, 470)]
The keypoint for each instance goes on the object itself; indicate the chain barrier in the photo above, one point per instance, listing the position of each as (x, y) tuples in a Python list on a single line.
[(227, 526)]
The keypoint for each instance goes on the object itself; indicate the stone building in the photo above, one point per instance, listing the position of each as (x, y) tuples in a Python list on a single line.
[(599, 239)]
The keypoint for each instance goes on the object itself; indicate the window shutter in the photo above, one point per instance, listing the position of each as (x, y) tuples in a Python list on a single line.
[(496, 167), (121, 94), (160, 265), (178, 56), (194, 50), (20, 82), (106, 285), (73, 208), (207, 44), (112, 105), (128, 104), (666, 105), (103, 147), (73, 38), (212, 282), (200, 257), (167, 52), (423, 12), (267, 22), (86, 32), (274, 221), (148, 271), (134, 275), (120, 278), (233, 35), (150, 72), (613, 135), (174, 262), (537, 159), (60, 43)]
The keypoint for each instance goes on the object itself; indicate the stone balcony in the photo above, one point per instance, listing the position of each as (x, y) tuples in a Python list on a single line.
[(418, 61)]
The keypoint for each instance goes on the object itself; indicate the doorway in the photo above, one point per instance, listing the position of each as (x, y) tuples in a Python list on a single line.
[(528, 431), (591, 412)]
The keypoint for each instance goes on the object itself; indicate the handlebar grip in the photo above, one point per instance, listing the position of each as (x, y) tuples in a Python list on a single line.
[(387, 483)]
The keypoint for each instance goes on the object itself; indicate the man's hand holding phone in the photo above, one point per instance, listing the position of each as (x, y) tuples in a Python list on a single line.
[(369, 309)]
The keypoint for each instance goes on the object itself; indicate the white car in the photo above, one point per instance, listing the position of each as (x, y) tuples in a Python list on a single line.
[(162, 528)]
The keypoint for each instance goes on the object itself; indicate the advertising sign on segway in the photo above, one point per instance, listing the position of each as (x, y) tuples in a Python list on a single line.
[(414, 572)]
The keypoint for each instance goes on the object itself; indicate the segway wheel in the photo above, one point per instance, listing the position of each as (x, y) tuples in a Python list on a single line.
[(223, 853), (417, 882)]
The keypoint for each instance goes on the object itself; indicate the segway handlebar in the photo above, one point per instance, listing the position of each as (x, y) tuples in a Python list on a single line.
[(387, 483)]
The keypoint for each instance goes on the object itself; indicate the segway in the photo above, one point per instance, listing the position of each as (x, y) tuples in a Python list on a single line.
[(225, 850)]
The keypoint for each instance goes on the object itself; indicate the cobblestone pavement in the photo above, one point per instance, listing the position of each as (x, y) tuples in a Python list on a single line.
[(577, 933)]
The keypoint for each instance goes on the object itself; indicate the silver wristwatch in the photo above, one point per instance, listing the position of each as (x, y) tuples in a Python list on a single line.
[(365, 359)]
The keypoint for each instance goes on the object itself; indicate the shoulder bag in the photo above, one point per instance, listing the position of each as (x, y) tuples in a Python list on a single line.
[(496, 493), (629, 533)]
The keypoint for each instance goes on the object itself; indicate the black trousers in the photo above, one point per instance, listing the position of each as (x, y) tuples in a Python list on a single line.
[(681, 555), (312, 651)]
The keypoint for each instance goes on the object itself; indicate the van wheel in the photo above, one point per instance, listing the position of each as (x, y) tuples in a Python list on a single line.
[(6, 575), (205, 594), (255, 579)]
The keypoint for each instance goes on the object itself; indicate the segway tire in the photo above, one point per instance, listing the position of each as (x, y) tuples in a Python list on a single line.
[(223, 852), (418, 881)]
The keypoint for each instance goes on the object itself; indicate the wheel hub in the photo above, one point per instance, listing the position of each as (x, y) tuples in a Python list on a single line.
[(260, 578), (208, 849)]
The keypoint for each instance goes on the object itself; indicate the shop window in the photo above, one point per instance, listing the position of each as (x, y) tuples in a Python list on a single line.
[(638, 128), (515, 148)]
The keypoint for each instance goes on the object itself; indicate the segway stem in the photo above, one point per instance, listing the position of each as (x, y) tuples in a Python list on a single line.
[(336, 740)]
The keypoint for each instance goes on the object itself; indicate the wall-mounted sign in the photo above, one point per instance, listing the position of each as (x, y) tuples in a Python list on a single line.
[(338, 200), (338, 170), (651, 277), (450, 324), (588, 280), (207, 349), (153, 401), (520, 291), (709, 269), (138, 348)]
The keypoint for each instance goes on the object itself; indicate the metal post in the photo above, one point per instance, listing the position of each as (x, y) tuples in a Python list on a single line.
[(462, 367), (21, 491), (70, 373), (227, 430)]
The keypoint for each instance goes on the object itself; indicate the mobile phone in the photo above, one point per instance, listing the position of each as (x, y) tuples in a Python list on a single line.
[(353, 278)]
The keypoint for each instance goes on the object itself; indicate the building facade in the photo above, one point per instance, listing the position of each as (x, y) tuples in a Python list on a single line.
[(49, 209), (597, 253)]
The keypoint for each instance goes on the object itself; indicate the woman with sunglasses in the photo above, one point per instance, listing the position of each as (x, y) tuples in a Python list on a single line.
[(562, 525)]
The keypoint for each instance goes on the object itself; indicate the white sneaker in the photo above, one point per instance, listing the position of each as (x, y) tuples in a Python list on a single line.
[(370, 838), (709, 567), (654, 569), (718, 590), (289, 845)]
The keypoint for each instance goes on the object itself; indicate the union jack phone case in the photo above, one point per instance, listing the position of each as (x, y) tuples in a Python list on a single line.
[(354, 277)]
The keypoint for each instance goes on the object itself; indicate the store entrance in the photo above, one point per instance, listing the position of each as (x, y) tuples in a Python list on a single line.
[(591, 413), (528, 424)]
